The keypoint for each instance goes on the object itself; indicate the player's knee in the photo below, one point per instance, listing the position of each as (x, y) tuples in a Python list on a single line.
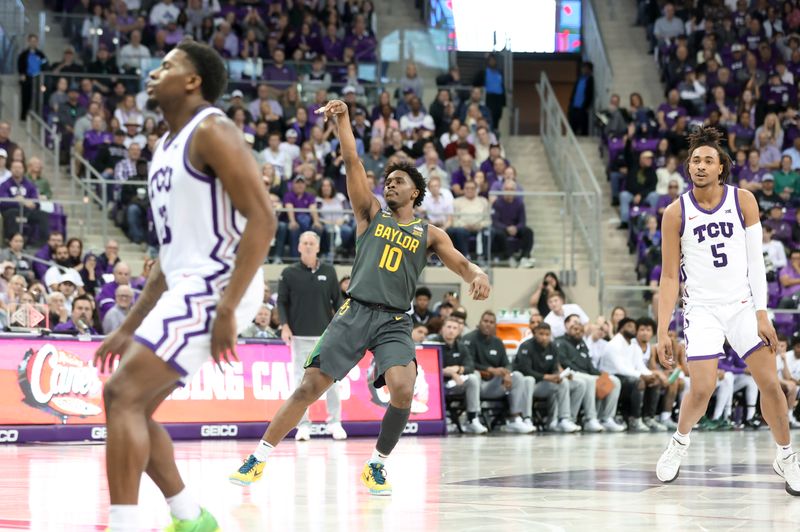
[(117, 394), (701, 392), (402, 394), (307, 392)]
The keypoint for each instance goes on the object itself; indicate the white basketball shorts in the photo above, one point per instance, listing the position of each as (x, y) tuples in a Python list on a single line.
[(707, 327), (178, 329)]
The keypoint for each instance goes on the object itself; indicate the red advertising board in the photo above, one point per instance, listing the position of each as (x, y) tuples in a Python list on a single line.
[(54, 382)]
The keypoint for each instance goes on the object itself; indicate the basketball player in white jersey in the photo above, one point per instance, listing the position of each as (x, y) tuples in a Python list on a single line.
[(711, 239), (214, 222)]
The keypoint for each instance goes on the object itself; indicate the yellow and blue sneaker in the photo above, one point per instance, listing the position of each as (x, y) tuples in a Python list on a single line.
[(250, 472), (374, 478), (204, 523)]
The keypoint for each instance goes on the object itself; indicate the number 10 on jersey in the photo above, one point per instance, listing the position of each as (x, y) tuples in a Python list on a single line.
[(390, 259)]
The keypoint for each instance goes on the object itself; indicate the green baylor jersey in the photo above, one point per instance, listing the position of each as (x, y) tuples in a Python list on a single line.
[(389, 258)]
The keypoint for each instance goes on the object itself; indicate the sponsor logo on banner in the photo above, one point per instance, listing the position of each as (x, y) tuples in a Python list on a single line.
[(59, 383), (219, 431), (98, 433), (9, 436)]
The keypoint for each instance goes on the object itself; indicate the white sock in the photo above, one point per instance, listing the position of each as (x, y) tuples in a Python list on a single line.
[(123, 518), (751, 411), (665, 416), (683, 439), (262, 451), (378, 458), (784, 451), (183, 506)]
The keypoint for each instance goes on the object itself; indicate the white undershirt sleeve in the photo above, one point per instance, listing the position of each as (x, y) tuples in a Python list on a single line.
[(756, 272)]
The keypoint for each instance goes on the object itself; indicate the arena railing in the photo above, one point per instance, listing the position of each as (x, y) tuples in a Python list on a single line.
[(594, 50), (47, 138), (576, 178), (72, 209)]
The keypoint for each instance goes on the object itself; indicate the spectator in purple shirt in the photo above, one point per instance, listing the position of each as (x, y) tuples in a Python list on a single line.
[(95, 138), (783, 229), (669, 111), (81, 319), (105, 299), (508, 221), (332, 45), (742, 134), (665, 200), (300, 222), (108, 258), (278, 73), (361, 41), (46, 253), (751, 175), (495, 151), (790, 280), (462, 174), (23, 190)]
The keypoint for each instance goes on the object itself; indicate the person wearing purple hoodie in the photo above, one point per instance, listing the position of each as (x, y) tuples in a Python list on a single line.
[(22, 190), (46, 253), (742, 379), (105, 299)]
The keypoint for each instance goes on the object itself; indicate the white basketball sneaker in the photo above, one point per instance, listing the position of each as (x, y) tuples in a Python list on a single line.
[(789, 469), (669, 465), (593, 426), (612, 426), (303, 433), (475, 427), (336, 431)]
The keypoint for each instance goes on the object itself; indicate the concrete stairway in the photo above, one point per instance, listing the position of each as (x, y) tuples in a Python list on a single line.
[(626, 45), (618, 264), (545, 215)]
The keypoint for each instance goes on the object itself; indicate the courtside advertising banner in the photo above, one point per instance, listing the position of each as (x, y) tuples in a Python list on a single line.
[(51, 390)]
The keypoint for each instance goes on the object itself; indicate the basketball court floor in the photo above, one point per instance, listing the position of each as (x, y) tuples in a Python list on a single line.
[(458, 483)]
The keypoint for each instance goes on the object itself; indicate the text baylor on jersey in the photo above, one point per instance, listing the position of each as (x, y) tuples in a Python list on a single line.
[(9, 436), (219, 431)]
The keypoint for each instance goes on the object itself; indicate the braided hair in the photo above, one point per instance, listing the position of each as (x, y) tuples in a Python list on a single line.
[(711, 137)]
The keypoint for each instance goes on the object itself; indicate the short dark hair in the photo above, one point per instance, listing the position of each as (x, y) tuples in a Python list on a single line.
[(711, 137), (542, 327), (623, 322), (646, 321), (413, 173), (488, 313), (82, 297), (459, 314), (423, 291), (571, 316), (209, 66)]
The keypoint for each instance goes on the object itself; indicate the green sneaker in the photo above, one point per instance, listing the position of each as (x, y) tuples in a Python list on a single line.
[(204, 523), (706, 424), (724, 423)]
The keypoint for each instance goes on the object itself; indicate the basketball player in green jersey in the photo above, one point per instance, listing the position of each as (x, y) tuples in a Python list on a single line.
[(392, 247)]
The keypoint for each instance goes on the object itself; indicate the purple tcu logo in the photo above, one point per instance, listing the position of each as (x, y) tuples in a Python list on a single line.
[(161, 180), (713, 230)]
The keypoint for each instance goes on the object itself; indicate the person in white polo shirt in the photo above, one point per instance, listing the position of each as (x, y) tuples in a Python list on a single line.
[(559, 312)]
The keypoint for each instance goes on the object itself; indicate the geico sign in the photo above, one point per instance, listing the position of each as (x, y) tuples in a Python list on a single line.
[(212, 431), (98, 433), (8, 436)]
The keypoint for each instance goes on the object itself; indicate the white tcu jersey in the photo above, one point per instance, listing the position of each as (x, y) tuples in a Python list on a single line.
[(713, 251), (198, 228)]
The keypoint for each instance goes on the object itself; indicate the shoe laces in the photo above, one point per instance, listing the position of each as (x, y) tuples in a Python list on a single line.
[(676, 448), (249, 463), (378, 473)]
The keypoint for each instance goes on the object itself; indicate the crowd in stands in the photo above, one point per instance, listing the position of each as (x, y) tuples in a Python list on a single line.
[(733, 65), (310, 52)]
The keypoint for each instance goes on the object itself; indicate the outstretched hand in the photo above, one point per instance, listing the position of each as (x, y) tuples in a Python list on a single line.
[(333, 109), (112, 348), (664, 351), (479, 288)]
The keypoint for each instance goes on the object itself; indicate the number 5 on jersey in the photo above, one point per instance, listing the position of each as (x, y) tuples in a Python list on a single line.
[(390, 259), (720, 258)]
